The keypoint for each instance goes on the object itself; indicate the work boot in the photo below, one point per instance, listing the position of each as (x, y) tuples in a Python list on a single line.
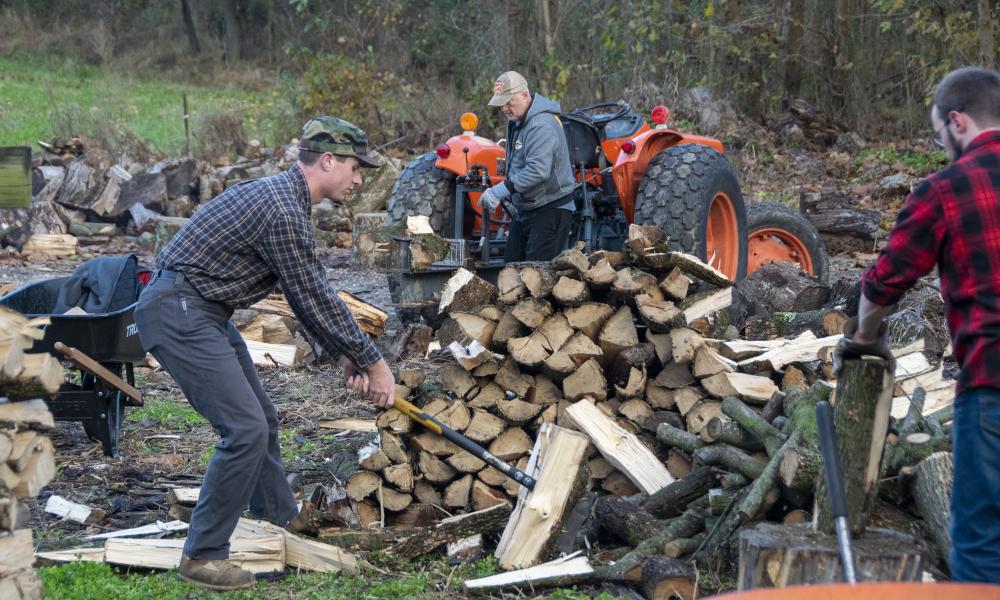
[(304, 522), (215, 574)]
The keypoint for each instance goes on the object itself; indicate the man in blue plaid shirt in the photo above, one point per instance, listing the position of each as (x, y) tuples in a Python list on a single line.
[(235, 251)]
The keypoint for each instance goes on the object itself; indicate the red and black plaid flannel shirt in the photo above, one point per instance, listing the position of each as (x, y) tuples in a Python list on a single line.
[(953, 219), (255, 235)]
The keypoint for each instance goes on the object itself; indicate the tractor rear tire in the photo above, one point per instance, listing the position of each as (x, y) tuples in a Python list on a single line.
[(683, 189), (783, 230), (423, 189)]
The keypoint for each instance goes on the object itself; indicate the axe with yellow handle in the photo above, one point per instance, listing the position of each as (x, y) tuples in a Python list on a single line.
[(463, 442)]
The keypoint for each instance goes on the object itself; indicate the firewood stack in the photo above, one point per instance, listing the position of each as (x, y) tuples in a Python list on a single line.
[(705, 434), (26, 455)]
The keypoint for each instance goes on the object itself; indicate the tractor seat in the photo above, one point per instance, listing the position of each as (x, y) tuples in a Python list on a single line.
[(583, 139)]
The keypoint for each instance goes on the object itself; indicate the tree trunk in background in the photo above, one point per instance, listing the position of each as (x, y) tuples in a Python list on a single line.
[(547, 37), (793, 47), (192, 33), (234, 37), (987, 54), (838, 56)]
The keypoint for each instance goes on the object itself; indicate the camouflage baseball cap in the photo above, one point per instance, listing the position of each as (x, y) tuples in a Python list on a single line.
[(506, 86), (337, 136)]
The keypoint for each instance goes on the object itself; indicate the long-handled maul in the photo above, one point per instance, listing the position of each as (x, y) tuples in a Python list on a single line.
[(835, 485), (463, 442)]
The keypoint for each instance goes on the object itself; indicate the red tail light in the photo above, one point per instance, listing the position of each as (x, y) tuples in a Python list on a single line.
[(628, 146), (443, 151), (660, 115)]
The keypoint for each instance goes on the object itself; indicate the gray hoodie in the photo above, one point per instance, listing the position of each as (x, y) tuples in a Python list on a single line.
[(537, 156)]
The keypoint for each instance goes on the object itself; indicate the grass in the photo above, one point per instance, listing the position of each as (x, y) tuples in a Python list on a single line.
[(46, 96), (429, 579), (917, 162), (169, 414)]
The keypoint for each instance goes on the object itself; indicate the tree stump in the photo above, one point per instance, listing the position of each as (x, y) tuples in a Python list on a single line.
[(777, 555), (931, 490)]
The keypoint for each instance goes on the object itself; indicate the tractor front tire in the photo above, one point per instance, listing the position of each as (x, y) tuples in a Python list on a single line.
[(423, 189), (778, 232), (691, 193)]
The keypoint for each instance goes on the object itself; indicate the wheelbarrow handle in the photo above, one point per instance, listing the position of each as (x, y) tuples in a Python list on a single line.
[(463, 442)]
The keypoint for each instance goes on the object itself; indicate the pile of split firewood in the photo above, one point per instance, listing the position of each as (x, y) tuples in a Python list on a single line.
[(27, 459), (694, 433)]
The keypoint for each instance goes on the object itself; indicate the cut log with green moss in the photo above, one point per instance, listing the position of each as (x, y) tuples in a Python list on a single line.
[(674, 499)]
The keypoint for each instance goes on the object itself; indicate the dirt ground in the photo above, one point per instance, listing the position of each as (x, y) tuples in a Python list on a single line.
[(166, 443)]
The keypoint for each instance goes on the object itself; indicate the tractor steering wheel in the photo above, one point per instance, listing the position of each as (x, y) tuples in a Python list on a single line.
[(622, 106)]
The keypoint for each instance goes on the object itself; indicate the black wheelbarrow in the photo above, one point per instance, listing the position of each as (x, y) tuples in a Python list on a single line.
[(102, 347)]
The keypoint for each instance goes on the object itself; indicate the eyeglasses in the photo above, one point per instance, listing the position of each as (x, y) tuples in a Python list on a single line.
[(937, 134)]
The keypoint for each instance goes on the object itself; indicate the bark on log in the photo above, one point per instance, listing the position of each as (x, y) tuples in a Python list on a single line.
[(861, 416), (664, 577), (931, 491), (809, 557), (674, 499), (822, 322), (783, 287), (751, 421), (626, 520), (451, 529), (732, 458)]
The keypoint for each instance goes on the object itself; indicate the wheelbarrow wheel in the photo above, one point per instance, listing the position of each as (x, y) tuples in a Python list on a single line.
[(780, 233), (423, 189), (691, 193)]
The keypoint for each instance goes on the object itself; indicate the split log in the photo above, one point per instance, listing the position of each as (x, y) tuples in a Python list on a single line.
[(587, 381), (658, 315), (532, 312), (589, 318), (861, 417), (362, 483), (456, 495), (618, 334), (702, 306), (510, 445), (753, 388), (559, 573), (73, 511), (539, 279), (464, 328), (619, 447), (466, 292), (695, 267), (581, 348), (457, 380), (510, 287), (392, 500), (508, 327), (484, 426), (258, 554), (528, 351), (434, 469), (510, 378), (795, 351), (708, 362), (570, 292), (558, 467), (600, 275), (684, 344), (675, 285)]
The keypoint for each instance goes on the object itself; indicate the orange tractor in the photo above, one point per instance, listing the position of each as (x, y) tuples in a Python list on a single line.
[(628, 172)]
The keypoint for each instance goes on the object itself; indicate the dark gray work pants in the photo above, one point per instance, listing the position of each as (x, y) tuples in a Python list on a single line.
[(197, 344)]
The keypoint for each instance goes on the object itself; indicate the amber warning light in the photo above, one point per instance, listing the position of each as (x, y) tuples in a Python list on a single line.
[(469, 122)]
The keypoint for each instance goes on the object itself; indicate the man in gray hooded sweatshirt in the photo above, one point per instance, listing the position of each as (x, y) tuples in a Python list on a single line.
[(540, 181)]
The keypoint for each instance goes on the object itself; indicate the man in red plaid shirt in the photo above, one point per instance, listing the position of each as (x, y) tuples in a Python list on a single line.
[(952, 219)]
